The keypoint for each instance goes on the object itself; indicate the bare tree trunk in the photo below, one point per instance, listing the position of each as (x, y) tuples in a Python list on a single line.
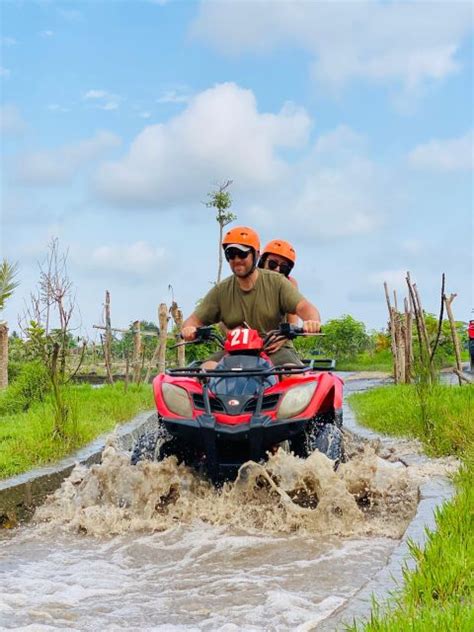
[(177, 315), (108, 340), (137, 352), (163, 321), (393, 343), (219, 267), (454, 334), (3, 355), (408, 342)]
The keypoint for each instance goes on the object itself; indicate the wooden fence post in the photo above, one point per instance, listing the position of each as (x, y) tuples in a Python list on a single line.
[(454, 335), (177, 315), (163, 320), (137, 352), (3, 355), (393, 343), (108, 340)]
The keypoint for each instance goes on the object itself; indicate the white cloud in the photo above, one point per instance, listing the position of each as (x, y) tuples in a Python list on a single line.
[(335, 191), (11, 122), (102, 99), (96, 94), (137, 258), (57, 167), (405, 42), (456, 154), (4, 72), (46, 34), (219, 135), (174, 96)]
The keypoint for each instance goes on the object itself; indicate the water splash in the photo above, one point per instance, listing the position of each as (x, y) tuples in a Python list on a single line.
[(367, 495)]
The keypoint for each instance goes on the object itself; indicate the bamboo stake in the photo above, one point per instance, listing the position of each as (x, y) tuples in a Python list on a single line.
[(177, 315), (454, 335), (108, 340), (137, 351), (392, 334), (163, 320)]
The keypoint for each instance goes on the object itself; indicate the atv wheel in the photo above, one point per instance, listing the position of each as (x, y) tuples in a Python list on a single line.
[(147, 446), (327, 438)]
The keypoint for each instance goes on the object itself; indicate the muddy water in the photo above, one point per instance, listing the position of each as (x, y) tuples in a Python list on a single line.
[(155, 547)]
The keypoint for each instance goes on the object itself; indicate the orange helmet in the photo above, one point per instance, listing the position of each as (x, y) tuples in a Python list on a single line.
[(242, 235), (282, 248)]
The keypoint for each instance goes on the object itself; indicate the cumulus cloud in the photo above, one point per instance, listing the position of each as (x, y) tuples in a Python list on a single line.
[(219, 135), (334, 191), (11, 121), (456, 154), (136, 258), (58, 167), (405, 42)]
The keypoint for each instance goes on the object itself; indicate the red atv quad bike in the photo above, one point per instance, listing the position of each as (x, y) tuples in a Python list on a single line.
[(216, 420)]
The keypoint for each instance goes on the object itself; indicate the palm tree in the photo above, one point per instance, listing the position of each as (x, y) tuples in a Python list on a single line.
[(8, 283)]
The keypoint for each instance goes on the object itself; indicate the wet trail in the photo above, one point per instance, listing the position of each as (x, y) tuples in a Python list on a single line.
[(286, 547)]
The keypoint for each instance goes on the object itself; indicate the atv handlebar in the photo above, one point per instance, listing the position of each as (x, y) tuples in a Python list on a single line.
[(207, 333)]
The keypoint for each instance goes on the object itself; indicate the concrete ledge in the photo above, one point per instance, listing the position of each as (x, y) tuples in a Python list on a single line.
[(20, 495)]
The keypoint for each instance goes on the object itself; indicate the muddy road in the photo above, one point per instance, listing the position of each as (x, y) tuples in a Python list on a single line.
[(290, 545)]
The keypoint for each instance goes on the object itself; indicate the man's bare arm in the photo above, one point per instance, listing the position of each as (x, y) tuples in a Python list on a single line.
[(188, 330), (310, 316)]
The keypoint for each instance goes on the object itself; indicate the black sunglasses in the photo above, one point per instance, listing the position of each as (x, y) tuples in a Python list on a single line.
[(284, 268), (232, 253)]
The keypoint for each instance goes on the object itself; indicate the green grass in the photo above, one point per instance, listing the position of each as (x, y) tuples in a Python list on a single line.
[(378, 361), (26, 439), (437, 596)]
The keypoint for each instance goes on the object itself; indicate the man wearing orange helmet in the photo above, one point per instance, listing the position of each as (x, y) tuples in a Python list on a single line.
[(252, 295)]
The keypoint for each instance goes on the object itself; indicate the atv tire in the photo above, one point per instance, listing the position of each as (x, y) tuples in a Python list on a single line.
[(148, 445), (329, 441), (327, 438)]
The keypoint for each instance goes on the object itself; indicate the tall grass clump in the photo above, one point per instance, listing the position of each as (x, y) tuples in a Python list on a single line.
[(30, 386), (27, 439), (437, 595)]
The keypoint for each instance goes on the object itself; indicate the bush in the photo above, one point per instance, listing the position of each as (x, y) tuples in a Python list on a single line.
[(30, 386)]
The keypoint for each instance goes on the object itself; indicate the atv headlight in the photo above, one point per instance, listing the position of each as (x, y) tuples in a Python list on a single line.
[(177, 400), (295, 400)]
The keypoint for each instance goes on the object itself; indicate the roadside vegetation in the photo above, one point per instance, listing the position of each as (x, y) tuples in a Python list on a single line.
[(438, 594), (27, 419)]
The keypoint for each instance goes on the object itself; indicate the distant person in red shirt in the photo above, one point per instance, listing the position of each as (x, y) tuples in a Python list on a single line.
[(470, 332)]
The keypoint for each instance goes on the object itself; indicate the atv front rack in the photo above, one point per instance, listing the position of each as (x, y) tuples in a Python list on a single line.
[(202, 374)]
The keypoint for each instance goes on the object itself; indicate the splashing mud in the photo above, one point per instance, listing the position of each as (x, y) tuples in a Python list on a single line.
[(367, 495)]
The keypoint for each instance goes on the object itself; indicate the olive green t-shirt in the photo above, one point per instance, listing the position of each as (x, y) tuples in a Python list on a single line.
[(262, 308)]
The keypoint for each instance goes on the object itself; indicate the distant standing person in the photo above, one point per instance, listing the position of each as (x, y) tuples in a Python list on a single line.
[(470, 331)]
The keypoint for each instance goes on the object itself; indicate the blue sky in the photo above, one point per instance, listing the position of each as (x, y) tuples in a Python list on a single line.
[(346, 127)]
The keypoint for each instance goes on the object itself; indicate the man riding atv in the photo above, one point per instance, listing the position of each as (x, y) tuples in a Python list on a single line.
[(254, 297)]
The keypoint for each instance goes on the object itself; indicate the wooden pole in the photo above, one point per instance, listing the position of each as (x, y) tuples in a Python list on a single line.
[(137, 352), (393, 343), (177, 315), (454, 335), (163, 321), (408, 342), (3, 355), (108, 340)]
